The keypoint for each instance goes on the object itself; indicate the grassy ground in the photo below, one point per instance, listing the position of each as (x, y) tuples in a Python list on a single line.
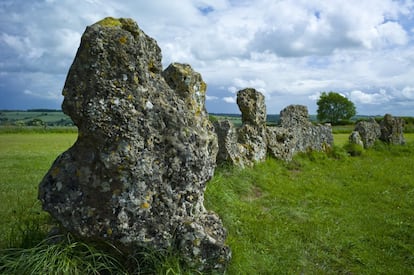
[(315, 215), (24, 159)]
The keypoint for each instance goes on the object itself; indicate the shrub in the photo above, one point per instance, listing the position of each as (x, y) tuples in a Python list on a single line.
[(354, 149)]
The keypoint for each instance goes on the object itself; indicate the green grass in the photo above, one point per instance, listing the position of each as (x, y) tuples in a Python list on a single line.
[(24, 160), (314, 215), (317, 215)]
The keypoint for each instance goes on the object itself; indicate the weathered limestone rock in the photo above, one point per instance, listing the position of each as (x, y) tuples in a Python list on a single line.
[(392, 130), (355, 138), (137, 173), (247, 145), (229, 150), (252, 107), (252, 134), (294, 116), (281, 142), (369, 131), (253, 141), (299, 134)]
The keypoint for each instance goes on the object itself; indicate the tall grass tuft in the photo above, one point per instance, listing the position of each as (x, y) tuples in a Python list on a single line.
[(67, 256)]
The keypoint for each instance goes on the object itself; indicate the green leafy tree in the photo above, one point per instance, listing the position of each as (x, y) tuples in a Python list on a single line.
[(333, 107)]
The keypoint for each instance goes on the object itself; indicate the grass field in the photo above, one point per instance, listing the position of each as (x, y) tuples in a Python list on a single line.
[(314, 215)]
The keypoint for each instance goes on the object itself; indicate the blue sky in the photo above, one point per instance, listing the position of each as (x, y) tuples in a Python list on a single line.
[(290, 50)]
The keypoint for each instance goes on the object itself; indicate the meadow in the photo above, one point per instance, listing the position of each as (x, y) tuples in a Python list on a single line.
[(319, 214)]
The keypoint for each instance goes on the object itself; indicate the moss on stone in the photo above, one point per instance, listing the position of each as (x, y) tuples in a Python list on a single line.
[(110, 22), (123, 39)]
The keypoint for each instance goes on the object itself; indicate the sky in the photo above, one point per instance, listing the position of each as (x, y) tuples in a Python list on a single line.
[(290, 50)]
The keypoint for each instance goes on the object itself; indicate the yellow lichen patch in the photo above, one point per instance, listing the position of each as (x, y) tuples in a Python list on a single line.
[(130, 97), (109, 231), (55, 171), (197, 242), (109, 22), (145, 205), (116, 192), (123, 39), (136, 80), (203, 87)]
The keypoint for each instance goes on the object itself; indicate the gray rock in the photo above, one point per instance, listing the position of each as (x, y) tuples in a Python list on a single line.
[(355, 138), (294, 116), (297, 134), (369, 131), (252, 141), (229, 149), (137, 173), (247, 145), (281, 143), (252, 106), (392, 130)]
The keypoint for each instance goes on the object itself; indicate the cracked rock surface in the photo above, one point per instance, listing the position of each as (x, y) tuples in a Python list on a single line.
[(137, 173)]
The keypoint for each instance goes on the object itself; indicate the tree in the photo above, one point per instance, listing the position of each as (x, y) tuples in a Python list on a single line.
[(333, 107)]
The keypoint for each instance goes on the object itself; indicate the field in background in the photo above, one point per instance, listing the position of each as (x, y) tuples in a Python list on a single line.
[(314, 215)]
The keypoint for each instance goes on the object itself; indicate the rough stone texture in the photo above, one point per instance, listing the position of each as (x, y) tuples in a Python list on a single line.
[(229, 149), (369, 131), (251, 137), (281, 142), (355, 138), (392, 130), (299, 134), (294, 116), (248, 144), (137, 173), (252, 107)]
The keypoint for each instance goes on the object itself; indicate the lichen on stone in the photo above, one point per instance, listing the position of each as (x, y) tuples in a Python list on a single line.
[(145, 150)]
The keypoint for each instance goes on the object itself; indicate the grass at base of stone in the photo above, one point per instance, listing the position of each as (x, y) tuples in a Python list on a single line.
[(63, 254), (318, 215)]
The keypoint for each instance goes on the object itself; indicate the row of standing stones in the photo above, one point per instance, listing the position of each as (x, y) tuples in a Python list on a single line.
[(390, 130), (146, 149)]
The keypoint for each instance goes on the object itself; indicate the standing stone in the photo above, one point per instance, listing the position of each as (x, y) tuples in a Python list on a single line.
[(248, 144), (392, 130), (294, 116), (145, 150), (307, 136), (252, 107), (251, 137), (229, 150), (355, 138), (369, 131), (281, 143)]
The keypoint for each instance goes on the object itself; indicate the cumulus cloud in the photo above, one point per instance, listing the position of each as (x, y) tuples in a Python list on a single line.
[(290, 50), (370, 98), (229, 99)]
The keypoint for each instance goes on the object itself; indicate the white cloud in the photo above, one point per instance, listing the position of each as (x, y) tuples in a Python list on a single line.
[(211, 97), (291, 50), (408, 92), (229, 99), (370, 98)]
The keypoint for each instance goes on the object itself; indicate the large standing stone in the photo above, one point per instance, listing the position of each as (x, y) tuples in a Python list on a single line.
[(252, 134), (281, 142), (392, 130), (295, 119), (369, 131), (252, 107), (294, 116), (137, 173)]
